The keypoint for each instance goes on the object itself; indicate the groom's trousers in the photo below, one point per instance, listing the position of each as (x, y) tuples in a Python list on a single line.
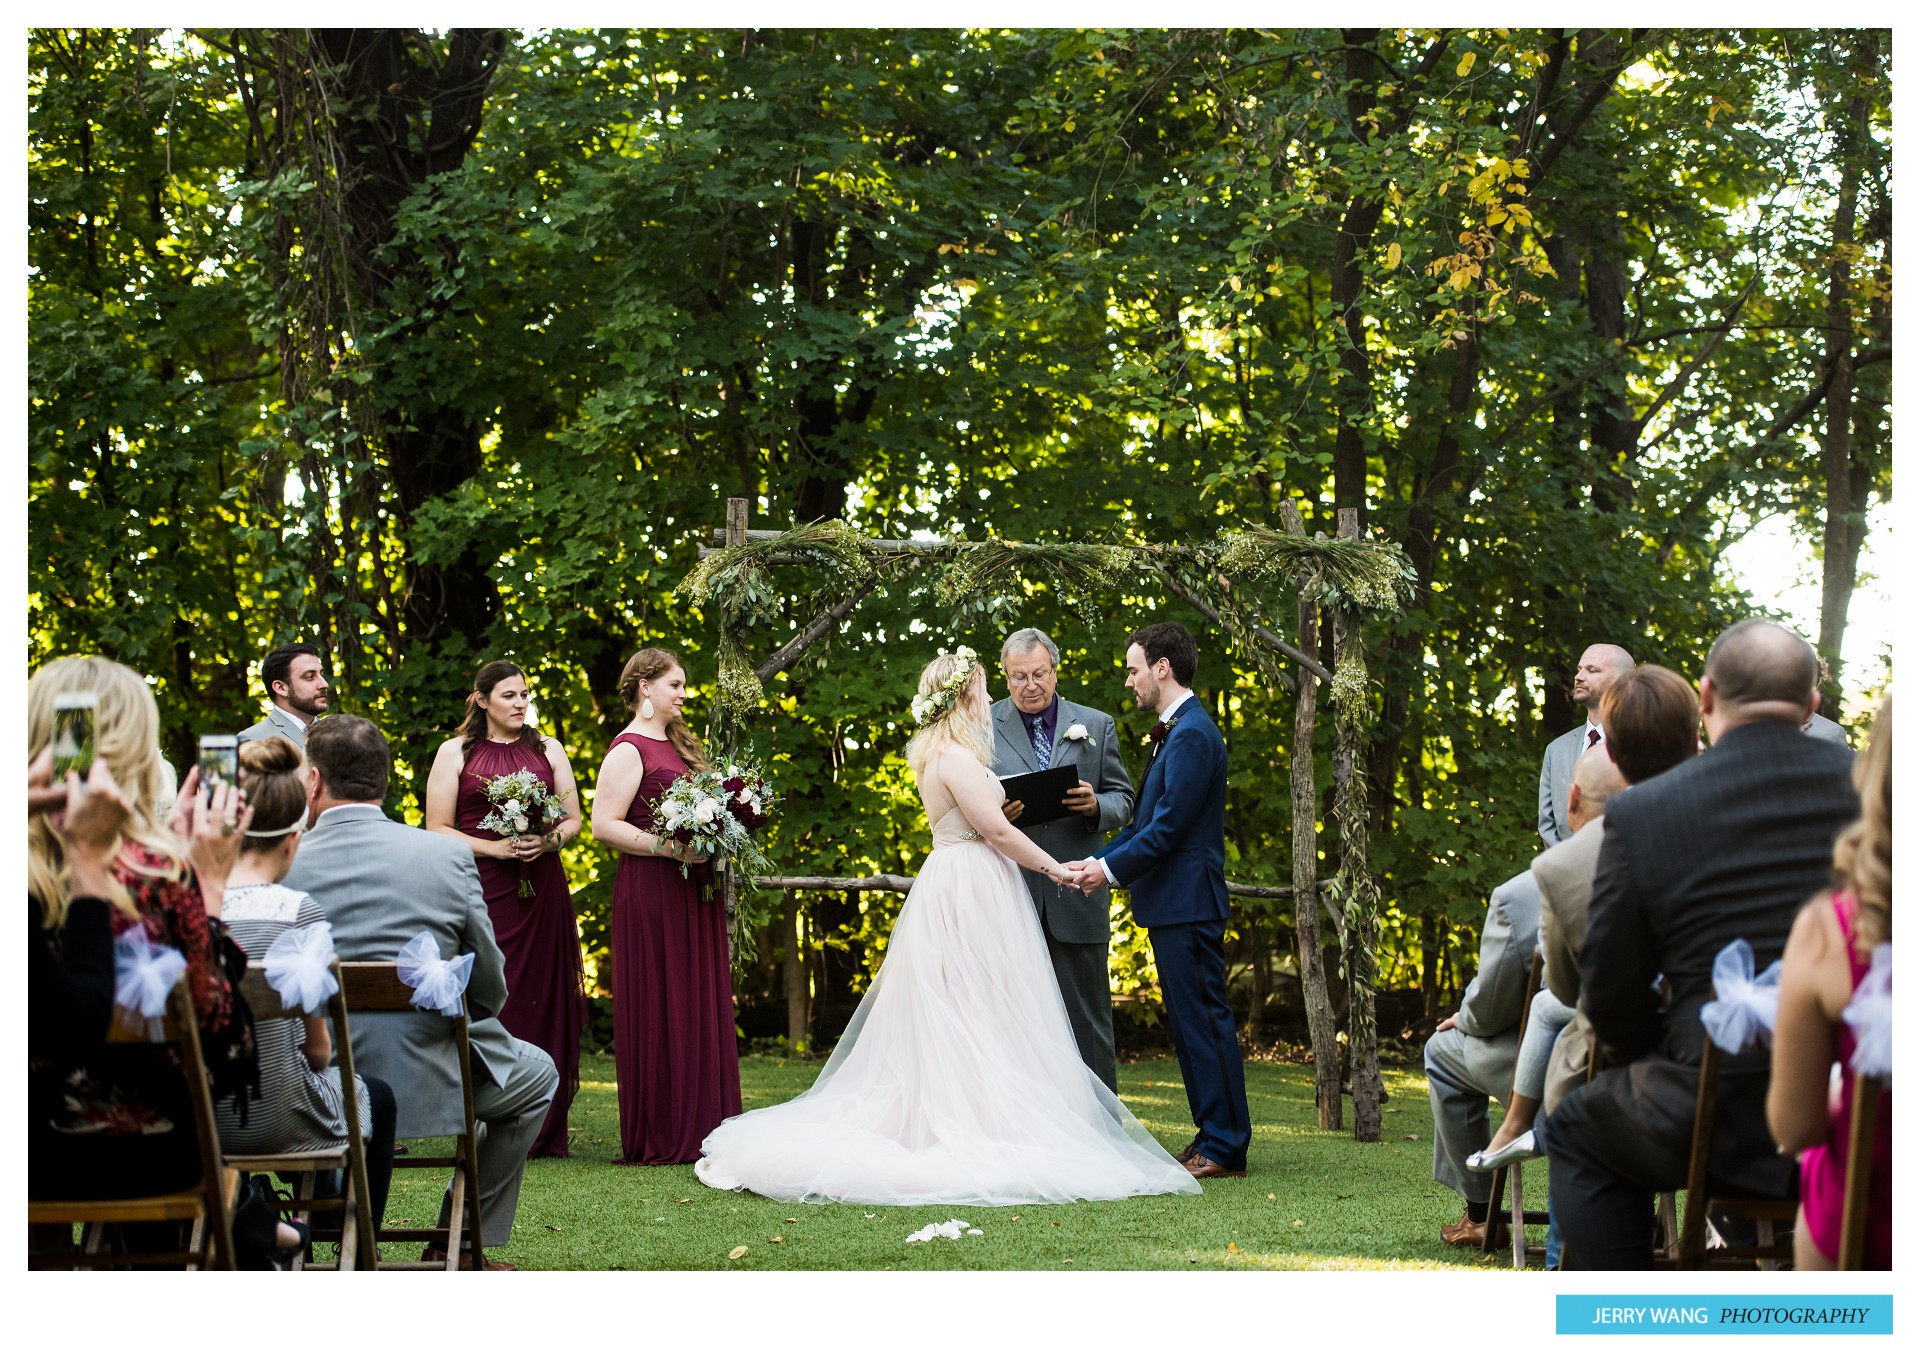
[(1192, 961)]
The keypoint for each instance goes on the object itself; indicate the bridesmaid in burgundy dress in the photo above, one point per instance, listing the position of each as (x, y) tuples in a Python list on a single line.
[(539, 935), (673, 1044)]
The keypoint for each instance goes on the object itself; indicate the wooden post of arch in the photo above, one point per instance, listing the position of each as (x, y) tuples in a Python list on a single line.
[(726, 732)]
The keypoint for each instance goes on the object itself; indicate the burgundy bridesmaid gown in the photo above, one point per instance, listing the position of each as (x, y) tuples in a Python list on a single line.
[(539, 936), (674, 1050)]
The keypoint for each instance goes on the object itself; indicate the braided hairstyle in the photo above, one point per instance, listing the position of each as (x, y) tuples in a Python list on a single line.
[(651, 663)]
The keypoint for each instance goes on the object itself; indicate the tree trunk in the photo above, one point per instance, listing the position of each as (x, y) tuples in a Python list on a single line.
[(793, 974), (1844, 530), (1306, 892)]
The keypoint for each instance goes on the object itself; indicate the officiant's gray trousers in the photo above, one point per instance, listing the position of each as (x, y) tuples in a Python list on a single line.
[(508, 1117), (1081, 970)]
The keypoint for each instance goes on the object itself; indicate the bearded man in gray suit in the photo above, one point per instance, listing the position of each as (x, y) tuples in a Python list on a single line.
[(1034, 729), (297, 691), (381, 883)]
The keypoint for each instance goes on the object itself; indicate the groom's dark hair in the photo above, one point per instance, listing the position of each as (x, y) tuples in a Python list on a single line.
[(1173, 642)]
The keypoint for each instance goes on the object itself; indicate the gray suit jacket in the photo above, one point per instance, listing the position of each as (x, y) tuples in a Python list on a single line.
[(1826, 729), (380, 883), (1564, 875), (1556, 779), (278, 722), (1490, 1009), (1070, 917)]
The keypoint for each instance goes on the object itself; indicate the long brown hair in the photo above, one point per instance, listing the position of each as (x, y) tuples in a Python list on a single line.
[(650, 663), (1863, 855), (474, 729)]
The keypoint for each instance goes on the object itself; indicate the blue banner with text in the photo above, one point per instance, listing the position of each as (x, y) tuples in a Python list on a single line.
[(1718, 1315)]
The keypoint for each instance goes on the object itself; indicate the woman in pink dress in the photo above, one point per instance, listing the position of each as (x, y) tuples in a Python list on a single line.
[(538, 933), (675, 1057), (1827, 956)]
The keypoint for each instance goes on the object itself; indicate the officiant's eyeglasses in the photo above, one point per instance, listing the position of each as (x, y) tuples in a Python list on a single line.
[(1021, 681)]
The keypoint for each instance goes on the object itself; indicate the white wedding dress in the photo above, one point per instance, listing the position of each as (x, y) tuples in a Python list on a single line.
[(957, 1082)]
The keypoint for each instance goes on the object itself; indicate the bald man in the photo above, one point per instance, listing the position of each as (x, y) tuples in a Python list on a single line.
[(1600, 666)]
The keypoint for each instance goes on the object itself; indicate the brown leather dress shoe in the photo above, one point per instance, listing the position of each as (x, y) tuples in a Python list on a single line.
[(1200, 1167), (1186, 1155), (1470, 1233)]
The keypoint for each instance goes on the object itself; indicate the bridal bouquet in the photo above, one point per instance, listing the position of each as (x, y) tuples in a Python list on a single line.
[(719, 812), (520, 801)]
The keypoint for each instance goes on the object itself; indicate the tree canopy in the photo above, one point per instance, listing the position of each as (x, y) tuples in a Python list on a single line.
[(438, 347)]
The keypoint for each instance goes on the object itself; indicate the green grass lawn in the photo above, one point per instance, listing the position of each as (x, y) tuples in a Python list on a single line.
[(1312, 1200)]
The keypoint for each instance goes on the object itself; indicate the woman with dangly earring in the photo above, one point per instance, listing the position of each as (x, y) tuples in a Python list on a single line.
[(675, 1057), (520, 875)]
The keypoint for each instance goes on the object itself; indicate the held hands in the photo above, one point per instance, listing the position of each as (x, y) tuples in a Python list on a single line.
[(1087, 875)]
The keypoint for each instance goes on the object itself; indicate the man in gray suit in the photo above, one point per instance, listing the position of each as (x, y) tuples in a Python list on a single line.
[(299, 692), (1600, 666), (1034, 729), (1470, 1055), (381, 883)]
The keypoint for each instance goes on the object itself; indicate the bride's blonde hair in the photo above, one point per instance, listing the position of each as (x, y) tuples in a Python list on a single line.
[(966, 724)]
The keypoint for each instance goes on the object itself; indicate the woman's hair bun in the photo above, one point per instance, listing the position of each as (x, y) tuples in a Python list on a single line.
[(270, 755)]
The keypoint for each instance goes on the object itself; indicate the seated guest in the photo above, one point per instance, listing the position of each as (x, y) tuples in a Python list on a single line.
[(297, 693), (1594, 781), (1470, 1055), (1826, 959), (301, 1105), (1727, 845), (381, 883), (114, 1119)]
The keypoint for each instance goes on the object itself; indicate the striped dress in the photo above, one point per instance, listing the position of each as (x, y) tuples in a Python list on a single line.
[(299, 1108)]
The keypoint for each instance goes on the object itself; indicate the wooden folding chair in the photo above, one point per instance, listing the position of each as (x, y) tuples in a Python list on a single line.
[(349, 1157), (1519, 1217), (208, 1204), (1862, 1129), (376, 987), (1771, 1216)]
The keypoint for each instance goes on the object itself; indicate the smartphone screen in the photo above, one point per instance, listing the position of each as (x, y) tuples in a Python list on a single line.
[(219, 762), (73, 716)]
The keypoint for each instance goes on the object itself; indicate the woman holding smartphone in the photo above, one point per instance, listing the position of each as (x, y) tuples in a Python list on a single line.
[(526, 888)]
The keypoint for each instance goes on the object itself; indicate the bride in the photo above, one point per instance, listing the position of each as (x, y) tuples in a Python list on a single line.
[(957, 1081)]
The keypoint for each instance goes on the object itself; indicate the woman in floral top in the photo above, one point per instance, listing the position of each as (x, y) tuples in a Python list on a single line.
[(114, 1119)]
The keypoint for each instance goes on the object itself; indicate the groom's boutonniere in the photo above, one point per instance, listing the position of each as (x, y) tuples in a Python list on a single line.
[(1158, 732), (1077, 732)]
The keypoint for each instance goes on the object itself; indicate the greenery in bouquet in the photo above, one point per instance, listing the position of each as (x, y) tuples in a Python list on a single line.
[(719, 812), (521, 805)]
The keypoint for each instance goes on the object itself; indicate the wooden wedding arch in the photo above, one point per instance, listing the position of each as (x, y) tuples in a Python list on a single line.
[(1238, 581)]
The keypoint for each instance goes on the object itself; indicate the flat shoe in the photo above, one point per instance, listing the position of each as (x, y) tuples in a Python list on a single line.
[(1517, 1150)]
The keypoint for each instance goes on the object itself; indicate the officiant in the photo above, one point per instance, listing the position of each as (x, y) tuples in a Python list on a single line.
[(1069, 816)]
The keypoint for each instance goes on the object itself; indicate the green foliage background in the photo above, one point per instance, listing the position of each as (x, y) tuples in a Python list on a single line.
[(1101, 285)]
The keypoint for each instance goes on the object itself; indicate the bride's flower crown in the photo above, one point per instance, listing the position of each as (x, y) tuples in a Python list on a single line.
[(927, 707)]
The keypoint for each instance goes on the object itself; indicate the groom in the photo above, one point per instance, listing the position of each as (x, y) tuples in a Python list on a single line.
[(1173, 857)]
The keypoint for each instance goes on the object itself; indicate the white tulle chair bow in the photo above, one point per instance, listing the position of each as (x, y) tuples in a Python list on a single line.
[(437, 983), (296, 966), (144, 974), (1870, 1015), (1745, 1007)]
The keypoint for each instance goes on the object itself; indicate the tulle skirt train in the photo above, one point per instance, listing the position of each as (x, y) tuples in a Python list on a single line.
[(957, 1081)]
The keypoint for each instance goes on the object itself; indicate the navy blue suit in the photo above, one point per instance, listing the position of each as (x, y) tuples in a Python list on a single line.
[(1173, 857)]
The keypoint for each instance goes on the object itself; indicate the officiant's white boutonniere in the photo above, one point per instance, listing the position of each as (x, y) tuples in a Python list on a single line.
[(1077, 732)]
